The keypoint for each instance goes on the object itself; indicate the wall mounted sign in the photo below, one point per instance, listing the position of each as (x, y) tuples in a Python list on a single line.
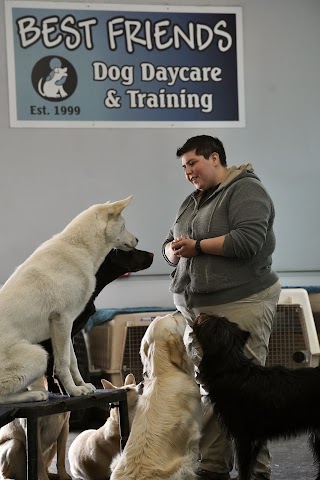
[(103, 65)]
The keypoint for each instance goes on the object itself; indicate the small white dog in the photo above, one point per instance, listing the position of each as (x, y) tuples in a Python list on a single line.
[(53, 436), (163, 443), (46, 294), (92, 451)]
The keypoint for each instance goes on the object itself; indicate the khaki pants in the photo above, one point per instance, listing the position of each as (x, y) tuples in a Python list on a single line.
[(254, 314)]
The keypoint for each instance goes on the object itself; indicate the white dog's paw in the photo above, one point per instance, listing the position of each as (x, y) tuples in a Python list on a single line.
[(40, 395), (36, 396), (91, 388), (82, 390)]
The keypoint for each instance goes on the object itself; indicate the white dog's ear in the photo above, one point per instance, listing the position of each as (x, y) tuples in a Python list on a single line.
[(116, 208), (129, 380), (107, 385), (178, 354)]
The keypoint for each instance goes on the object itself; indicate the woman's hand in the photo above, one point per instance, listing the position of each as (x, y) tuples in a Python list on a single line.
[(184, 247)]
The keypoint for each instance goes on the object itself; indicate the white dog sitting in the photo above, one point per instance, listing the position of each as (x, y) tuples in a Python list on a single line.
[(52, 87), (47, 293), (163, 443), (92, 451)]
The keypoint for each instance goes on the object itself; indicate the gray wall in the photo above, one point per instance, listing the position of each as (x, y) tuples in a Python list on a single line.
[(50, 175)]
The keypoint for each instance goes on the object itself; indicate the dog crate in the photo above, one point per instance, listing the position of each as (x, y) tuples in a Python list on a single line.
[(294, 339), (114, 346)]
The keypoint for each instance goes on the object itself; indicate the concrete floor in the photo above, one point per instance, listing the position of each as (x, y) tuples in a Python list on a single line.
[(291, 459)]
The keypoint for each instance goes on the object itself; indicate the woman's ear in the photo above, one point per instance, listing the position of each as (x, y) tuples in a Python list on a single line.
[(215, 157)]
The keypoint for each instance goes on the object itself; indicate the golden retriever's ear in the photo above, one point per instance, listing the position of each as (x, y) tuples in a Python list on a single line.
[(178, 354), (144, 350), (146, 354)]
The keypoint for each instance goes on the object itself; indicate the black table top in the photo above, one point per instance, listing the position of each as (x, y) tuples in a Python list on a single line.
[(59, 403)]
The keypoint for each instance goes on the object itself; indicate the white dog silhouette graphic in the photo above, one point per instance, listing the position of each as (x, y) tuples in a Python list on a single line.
[(52, 86)]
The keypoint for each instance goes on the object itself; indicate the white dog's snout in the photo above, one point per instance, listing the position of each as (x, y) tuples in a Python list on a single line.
[(133, 243)]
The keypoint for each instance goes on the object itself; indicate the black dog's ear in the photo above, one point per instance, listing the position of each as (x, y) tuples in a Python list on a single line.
[(208, 332), (218, 336)]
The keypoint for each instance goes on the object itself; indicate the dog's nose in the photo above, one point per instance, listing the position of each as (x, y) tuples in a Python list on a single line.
[(140, 388), (137, 240)]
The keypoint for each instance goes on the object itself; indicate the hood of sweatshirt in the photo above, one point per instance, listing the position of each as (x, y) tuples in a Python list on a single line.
[(234, 172)]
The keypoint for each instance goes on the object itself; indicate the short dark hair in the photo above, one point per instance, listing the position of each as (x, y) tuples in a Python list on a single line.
[(204, 145)]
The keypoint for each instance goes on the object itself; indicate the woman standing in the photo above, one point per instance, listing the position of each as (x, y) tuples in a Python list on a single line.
[(221, 246)]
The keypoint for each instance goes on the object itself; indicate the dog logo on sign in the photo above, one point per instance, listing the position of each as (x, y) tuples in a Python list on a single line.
[(54, 78)]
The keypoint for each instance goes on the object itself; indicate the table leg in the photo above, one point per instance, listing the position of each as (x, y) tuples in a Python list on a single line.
[(32, 448), (124, 422)]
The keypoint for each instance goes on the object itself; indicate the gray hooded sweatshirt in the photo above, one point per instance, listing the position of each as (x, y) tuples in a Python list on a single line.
[(242, 210)]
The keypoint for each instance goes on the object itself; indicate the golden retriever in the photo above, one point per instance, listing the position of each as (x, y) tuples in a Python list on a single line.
[(163, 443)]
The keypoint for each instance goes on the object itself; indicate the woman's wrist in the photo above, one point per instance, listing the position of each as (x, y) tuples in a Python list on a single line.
[(198, 248)]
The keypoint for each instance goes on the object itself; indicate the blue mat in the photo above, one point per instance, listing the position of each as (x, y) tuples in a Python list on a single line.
[(106, 314), (309, 289)]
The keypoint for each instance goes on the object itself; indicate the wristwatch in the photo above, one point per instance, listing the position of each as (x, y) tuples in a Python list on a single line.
[(198, 247)]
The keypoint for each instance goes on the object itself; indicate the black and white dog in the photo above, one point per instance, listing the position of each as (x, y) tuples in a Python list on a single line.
[(255, 403)]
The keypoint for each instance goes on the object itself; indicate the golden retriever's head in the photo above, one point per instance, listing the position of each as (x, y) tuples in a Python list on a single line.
[(162, 346)]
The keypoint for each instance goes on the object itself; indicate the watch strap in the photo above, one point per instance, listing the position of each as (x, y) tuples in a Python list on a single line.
[(198, 247)]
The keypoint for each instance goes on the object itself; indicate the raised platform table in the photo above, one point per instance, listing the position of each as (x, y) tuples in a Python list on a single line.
[(57, 404)]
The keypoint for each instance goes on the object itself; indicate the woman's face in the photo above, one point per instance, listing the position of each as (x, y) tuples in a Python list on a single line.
[(199, 170)]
